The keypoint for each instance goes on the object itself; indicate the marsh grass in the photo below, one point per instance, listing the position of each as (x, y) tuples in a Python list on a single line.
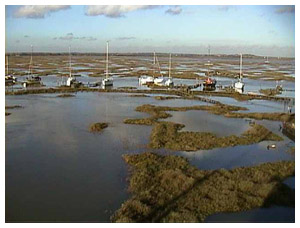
[(168, 134), (65, 95), (97, 127), (169, 189)]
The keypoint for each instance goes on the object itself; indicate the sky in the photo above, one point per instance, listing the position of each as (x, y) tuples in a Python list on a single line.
[(260, 30)]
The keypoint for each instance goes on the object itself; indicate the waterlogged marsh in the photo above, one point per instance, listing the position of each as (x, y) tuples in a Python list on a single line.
[(56, 170)]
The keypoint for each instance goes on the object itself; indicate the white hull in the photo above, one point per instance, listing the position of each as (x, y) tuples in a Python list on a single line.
[(70, 81), (169, 82), (159, 81), (107, 82), (143, 80), (239, 85)]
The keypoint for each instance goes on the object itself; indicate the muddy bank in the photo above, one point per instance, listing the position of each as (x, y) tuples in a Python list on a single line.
[(270, 92), (179, 92), (97, 127), (169, 189), (168, 135), (13, 106), (65, 95)]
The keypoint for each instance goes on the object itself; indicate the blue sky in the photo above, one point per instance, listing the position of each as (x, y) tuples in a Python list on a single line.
[(261, 30)]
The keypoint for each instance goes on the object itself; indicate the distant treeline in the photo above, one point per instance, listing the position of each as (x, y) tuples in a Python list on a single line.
[(136, 54)]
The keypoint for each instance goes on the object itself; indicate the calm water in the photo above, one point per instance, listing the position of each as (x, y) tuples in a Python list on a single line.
[(56, 170)]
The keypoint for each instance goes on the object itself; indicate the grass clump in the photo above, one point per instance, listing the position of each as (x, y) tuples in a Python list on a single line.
[(98, 127), (167, 135), (270, 92), (13, 106), (65, 95), (168, 189)]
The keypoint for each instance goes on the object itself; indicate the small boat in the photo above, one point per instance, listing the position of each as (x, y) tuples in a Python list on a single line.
[(239, 85), (9, 79), (169, 81), (209, 83), (267, 61), (146, 80), (32, 80), (107, 81), (160, 81), (71, 81)]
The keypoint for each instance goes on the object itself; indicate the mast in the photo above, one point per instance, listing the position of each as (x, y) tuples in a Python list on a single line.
[(30, 64), (70, 62), (241, 63), (170, 66), (154, 58), (106, 59), (7, 65)]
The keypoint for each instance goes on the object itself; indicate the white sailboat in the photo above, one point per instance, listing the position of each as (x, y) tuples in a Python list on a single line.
[(71, 80), (160, 81), (239, 85), (32, 80), (145, 80), (169, 81), (267, 61), (9, 79), (107, 81)]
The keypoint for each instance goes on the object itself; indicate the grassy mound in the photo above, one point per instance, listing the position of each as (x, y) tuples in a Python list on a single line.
[(167, 135), (98, 127), (64, 95), (13, 106), (168, 189)]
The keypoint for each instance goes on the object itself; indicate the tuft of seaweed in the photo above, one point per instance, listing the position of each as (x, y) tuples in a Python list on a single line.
[(169, 189), (13, 106), (65, 95), (97, 127)]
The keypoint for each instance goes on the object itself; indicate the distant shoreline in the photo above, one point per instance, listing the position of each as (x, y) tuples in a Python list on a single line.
[(150, 54)]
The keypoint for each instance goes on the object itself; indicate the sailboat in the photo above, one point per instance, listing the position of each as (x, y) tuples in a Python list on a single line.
[(9, 79), (160, 81), (146, 80), (267, 61), (239, 85), (32, 80), (71, 80), (209, 83), (107, 81), (169, 81)]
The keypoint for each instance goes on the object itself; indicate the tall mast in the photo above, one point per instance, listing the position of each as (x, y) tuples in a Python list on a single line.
[(241, 63), (154, 58), (70, 61), (7, 65), (170, 66), (30, 65), (106, 59)]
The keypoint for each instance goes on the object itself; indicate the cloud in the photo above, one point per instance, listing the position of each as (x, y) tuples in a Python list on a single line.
[(91, 38), (70, 36), (285, 9), (226, 8), (26, 36), (115, 11), (126, 38), (17, 41), (174, 10), (37, 11)]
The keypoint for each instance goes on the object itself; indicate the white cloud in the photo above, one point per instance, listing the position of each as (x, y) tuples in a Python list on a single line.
[(126, 38), (115, 11), (174, 10), (37, 11), (70, 36), (285, 9)]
